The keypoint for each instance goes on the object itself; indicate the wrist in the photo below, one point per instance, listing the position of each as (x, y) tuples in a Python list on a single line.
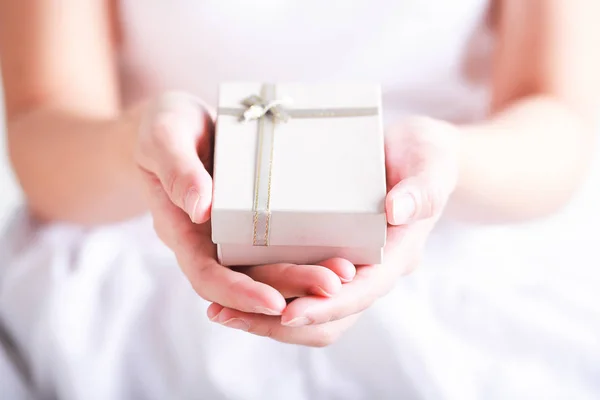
[(467, 139), (120, 143), (471, 144), (125, 136)]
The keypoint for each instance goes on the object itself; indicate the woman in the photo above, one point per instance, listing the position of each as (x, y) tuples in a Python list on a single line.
[(489, 112)]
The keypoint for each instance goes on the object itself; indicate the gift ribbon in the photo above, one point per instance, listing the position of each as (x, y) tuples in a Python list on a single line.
[(268, 111)]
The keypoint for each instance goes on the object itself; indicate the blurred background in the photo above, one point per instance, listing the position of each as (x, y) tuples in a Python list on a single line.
[(564, 255), (9, 193)]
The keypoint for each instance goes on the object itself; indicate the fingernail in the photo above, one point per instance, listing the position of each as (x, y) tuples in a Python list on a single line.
[(403, 209), (237, 323), (191, 203), (297, 322), (266, 311), (319, 290), (215, 317)]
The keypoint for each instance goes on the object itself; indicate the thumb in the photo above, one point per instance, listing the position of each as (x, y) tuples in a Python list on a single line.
[(176, 133), (413, 199)]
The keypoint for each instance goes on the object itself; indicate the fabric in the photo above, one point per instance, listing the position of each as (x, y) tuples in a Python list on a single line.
[(493, 313)]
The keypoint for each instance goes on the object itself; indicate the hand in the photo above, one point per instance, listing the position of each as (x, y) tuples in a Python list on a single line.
[(422, 170), (174, 155)]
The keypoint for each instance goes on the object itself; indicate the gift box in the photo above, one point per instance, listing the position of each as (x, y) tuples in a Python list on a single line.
[(299, 174)]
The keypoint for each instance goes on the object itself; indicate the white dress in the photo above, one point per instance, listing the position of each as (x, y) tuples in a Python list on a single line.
[(507, 312)]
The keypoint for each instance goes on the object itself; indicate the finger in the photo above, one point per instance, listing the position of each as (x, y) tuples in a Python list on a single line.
[(422, 169), (196, 255), (415, 198), (297, 280), (216, 283), (262, 325), (353, 298), (177, 133), (170, 222), (341, 267), (300, 280)]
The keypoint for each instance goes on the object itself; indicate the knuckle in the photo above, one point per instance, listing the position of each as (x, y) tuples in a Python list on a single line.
[(179, 181), (432, 203), (269, 332), (256, 330), (265, 330), (162, 131), (170, 180), (154, 188)]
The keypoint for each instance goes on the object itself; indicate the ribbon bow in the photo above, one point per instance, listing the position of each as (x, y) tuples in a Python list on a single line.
[(257, 108)]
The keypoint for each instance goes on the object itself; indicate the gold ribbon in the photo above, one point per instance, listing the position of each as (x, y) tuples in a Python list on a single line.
[(268, 111)]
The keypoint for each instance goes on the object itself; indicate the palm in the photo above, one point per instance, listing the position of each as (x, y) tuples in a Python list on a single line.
[(421, 164)]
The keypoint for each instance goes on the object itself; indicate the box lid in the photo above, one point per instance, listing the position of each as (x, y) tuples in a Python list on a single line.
[(326, 181)]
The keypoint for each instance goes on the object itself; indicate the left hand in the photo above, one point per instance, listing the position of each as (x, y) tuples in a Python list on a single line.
[(422, 171)]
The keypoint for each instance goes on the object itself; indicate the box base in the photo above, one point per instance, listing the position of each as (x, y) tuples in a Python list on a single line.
[(243, 255)]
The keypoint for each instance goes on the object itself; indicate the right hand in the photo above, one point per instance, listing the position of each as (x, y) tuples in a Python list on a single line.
[(174, 155)]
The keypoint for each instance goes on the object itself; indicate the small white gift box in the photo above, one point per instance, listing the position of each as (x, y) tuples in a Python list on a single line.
[(299, 174)]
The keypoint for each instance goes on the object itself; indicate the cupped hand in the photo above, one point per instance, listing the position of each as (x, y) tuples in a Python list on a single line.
[(422, 171), (173, 152)]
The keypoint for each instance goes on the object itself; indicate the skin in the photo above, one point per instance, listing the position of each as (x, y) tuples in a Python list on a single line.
[(82, 157)]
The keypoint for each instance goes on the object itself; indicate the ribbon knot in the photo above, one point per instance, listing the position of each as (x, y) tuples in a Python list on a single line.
[(257, 108)]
